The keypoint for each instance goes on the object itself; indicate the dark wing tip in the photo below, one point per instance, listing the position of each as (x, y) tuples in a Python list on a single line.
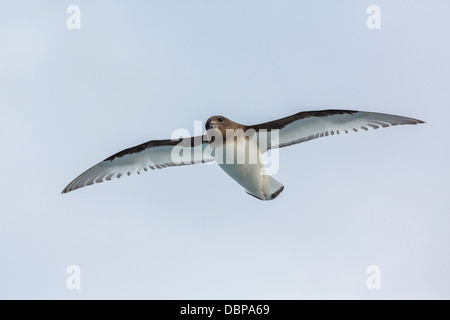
[(413, 121), (68, 189)]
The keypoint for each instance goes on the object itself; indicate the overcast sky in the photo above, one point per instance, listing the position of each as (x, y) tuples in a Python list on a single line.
[(137, 70)]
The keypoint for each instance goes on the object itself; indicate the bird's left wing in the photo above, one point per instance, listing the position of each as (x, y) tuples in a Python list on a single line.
[(155, 154), (305, 126)]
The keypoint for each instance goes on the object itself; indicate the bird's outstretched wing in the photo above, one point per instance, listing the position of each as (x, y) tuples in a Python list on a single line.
[(305, 126), (155, 154)]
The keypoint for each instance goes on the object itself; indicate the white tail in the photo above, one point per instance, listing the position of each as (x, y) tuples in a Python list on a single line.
[(274, 189)]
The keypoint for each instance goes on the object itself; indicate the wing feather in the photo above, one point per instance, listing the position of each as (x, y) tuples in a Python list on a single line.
[(155, 154), (309, 125)]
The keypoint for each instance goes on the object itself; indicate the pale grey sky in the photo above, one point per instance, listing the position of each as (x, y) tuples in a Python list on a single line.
[(138, 70)]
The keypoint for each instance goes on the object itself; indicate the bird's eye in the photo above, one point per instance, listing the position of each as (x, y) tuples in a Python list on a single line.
[(220, 119)]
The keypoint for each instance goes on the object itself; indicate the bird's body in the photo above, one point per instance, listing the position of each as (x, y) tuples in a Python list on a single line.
[(237, 148), (250, 173)]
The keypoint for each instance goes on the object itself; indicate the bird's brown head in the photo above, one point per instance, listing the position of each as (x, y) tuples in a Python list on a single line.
[(222, 123)]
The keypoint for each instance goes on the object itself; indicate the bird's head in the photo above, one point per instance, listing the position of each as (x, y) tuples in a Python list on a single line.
[(218, 122), (221, 124)]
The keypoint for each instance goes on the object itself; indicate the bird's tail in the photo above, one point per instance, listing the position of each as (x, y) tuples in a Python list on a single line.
[(274, 189)]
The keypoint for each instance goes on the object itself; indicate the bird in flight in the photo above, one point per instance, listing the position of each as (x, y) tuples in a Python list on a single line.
[(241, 155)]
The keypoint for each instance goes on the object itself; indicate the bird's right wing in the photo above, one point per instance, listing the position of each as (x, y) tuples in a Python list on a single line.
[(155, 154), (305, 126)]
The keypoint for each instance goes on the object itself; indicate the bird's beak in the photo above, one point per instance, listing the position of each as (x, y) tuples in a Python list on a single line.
[(212, 125)]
